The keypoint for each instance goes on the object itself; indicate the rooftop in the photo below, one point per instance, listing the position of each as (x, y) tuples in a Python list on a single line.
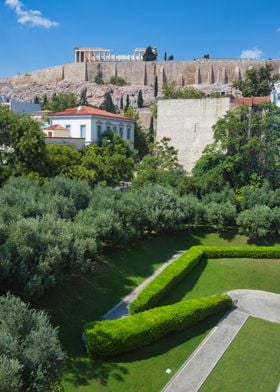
[(88, 111), (56, 127), (250, 101)]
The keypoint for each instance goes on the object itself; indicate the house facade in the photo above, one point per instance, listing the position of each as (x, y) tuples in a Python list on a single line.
[(19, 107), (90, 123)]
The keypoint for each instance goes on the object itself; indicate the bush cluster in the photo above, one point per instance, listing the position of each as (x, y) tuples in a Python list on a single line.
[(31, 358), (112, 337), (171, 275)]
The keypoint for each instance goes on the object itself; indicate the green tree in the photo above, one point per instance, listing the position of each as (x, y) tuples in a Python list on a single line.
[(62, 101), (99, 78), (206, 56), (45, 101), (127, 105), (257, 82), (31, 357), (121, 103), (149, 54), (23, 145), (156, 87), (62, 160), (160, 166), (245, 150), (36, 99), (108, 104), (171, 57), (165, 56), (112, 159), (140, 101), (170, 91)]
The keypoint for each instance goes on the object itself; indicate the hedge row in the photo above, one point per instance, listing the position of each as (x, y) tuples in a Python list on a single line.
[(113, 337), (168, 278)]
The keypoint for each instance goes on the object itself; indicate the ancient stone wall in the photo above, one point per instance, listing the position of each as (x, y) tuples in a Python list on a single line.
[(184, 73), (188, 123)]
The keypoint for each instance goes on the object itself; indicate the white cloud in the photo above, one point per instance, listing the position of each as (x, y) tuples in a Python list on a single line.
[(29, 17), (254, 54)]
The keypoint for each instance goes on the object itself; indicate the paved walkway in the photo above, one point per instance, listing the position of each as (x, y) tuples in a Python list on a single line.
[(197, 368), (121, 309)]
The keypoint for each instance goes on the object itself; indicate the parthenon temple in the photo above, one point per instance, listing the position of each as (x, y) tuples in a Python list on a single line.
[(93, 55)]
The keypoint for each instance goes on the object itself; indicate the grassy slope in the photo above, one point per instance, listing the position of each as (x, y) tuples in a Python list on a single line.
[(88, 298), (251, 363)]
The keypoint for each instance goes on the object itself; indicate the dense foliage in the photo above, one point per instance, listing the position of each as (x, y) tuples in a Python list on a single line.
[(30, 354), (257, 82), (170, 91), (60, 102), (245, 151), (113, 337)]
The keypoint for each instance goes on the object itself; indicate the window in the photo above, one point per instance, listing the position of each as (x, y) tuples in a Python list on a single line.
[(99, 131), (49, 134), (68, 127), (114, 129), (128, 133), (82, 131), (121, 131)]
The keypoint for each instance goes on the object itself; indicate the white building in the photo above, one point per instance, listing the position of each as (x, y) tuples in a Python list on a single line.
[(19, 107), (90, 123)]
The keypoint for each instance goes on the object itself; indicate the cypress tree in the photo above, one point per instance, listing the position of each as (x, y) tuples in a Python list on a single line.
[(121, 103), (156, 87), (127, 103), (108, 104), (36, 99), (165, 56), (140, 99)]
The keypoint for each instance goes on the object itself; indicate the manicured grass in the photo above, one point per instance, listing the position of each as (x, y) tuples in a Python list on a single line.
[(219, 275), (251, 362), (87, 298)]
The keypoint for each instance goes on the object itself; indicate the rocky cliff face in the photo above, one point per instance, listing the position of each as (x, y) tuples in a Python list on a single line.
[(95, 93)]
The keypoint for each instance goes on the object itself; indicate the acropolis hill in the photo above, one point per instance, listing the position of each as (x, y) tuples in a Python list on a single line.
[(207, 74)]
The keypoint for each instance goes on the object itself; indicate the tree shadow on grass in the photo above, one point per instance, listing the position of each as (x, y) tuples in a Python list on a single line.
[(81, 372), (265, 241), (185, 285)]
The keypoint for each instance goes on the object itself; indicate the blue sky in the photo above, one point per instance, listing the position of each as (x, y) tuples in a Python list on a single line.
[(31, 39)]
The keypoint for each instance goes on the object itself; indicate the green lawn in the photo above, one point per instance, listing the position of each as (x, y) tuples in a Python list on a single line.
[(251, 362), (87, 298)]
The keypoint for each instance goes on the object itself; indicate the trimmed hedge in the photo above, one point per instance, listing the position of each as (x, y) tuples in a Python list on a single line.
[(168, 278), (112, 337)]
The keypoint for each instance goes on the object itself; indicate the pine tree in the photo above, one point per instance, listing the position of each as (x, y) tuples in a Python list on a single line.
[(36, 99), (127, 103), (156, 87), (171, 57), (121, 103), (149, 54), (140, 99)]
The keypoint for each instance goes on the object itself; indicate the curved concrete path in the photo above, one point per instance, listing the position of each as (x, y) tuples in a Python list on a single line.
[(196, 369), (121, 309)]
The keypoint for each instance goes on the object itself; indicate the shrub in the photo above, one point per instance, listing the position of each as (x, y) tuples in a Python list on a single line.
[(221, 215), (256, 222), (118, 81), (113, 337), (30, 354), (166, 280), (171, 275)]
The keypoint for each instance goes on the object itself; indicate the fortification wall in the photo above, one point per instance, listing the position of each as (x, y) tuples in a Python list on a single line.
[(184, 73), (188, 123)]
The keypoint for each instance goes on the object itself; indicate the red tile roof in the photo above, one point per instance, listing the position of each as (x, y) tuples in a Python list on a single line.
[(56, 127), (88, 111), (250, 101)]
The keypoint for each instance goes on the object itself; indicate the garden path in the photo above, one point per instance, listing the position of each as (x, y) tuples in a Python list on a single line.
[(199, 365)]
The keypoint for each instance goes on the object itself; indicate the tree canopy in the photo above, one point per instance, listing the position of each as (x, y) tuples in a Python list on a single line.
[(149, 54), (246, 150), (257, 82), (60, 102), (170, 91)]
